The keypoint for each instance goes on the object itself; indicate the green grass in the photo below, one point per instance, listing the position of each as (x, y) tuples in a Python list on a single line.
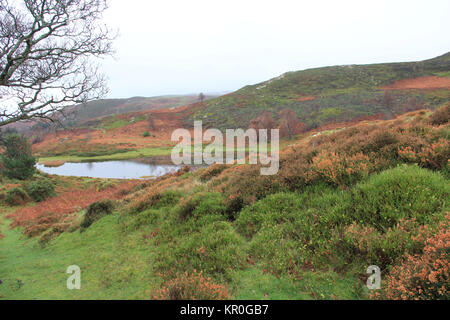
[(285, 246), (134, 154), (112, 266), (253, 284)]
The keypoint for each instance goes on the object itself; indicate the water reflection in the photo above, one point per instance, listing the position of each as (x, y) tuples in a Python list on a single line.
[(111, 169)]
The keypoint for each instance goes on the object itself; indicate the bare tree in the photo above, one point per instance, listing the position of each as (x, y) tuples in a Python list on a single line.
[(263, 121), (151, 122), (47, 58), (201, 96), (289, 124)]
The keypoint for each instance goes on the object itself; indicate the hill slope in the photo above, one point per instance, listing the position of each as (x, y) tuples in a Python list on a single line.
[(334, 94)]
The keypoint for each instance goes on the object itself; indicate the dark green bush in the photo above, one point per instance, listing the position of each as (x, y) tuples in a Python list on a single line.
[(96, 211), (18, 161), (41, 189), (146, 134), (16, 196)]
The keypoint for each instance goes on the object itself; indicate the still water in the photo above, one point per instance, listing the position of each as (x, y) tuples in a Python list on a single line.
[(111, 169)]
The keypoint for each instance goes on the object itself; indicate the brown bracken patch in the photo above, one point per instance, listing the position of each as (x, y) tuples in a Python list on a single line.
[(431, 82)]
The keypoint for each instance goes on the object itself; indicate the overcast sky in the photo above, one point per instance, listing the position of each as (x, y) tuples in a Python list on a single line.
[(180, 46)]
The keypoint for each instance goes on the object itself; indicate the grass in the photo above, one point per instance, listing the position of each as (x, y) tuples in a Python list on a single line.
[(134, 154), (298, 235), (29, 271), (253, 284), (128, 155)]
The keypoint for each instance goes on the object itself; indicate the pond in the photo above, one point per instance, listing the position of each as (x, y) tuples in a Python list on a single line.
[(128, 169)]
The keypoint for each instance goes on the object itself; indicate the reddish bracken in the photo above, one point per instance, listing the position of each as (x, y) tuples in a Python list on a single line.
[(59, 209), (193, 286)]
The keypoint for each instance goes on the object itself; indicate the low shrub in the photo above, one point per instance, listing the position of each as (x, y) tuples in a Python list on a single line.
[(146, 134), (368, 246), (405, 192), (289, 231), (41, 189), (201, 204), (96, 211), (216, 249), (16, 197), (156, 200), (424, 276), (434, 156), (104, 185), (212, 171), (440, 116), (191, 286), (341, 170)]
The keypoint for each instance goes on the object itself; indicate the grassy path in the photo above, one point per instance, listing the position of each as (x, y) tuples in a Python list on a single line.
[(111, 267)]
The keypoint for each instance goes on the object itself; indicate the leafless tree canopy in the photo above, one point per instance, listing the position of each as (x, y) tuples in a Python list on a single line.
[(47, 58)]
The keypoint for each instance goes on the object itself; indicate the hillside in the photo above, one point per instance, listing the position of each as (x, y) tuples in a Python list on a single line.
[(108, 107), (76, 116), (375, 193), (335, 94)]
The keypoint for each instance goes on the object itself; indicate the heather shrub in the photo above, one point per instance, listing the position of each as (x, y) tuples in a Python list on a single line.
[(166, 199), (424, 276), (368, 246), (191, 286), (405, 192), (440, 116), (104, 185), (41, 189), (243, 185), (201, 204), (274, 209), (16, 197), (212, 171), (216, 249), (144, 218), (433, 156), (291, 231), (155, 199), (341, 170), (96, 211)]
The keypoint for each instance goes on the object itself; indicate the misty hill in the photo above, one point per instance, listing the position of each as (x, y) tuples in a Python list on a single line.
[(334, 94), (108, 107)]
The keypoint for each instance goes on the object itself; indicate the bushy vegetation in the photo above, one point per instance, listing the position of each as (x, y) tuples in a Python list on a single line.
[(326, 95), (17, 161), (96, 211), (16, 196), (423, 276), (192, 286), (371, 194), (41, 189)]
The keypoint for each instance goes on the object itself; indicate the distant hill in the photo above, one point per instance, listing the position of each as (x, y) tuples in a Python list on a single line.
[(108, 107), (80, 114), (334, 94)]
